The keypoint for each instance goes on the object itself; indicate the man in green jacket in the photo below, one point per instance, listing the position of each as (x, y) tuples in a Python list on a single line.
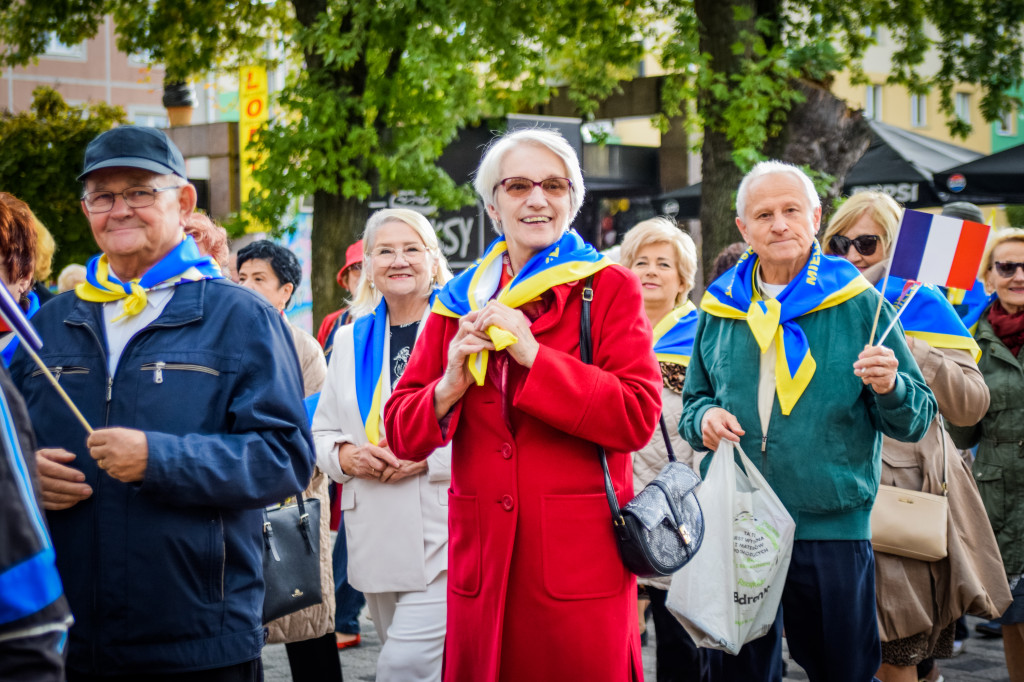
[(780, 365)]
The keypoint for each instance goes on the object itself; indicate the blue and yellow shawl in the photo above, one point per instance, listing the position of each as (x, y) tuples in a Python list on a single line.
[(673, 335), (567, 260), (183, 264), (824, 282), (929, 316)]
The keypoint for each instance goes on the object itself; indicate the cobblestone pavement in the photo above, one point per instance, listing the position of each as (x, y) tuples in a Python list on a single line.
[(982, 660)]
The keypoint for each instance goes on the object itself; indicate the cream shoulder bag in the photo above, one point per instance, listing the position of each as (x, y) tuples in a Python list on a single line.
[(911, 523)]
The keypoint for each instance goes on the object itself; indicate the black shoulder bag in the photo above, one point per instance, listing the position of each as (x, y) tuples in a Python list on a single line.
[(291, 558), (662, 528)]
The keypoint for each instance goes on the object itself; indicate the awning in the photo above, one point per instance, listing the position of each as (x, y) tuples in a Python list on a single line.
[(994, 179)]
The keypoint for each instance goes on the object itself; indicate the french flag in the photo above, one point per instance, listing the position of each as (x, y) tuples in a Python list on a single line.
[(938, 249)]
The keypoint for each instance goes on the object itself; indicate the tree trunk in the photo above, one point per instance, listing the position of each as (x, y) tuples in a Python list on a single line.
[(825, 134), (337, 222), (720, 176)]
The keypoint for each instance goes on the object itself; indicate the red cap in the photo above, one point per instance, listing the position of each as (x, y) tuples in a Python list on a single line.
[(353, 255)]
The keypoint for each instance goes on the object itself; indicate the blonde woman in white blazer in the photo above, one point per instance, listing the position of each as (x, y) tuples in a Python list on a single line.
[(396, 514)]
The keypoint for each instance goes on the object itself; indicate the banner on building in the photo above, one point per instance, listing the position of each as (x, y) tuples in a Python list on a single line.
[(253, 101)]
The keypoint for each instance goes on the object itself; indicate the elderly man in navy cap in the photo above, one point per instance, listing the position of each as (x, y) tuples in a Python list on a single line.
[(195, 394)]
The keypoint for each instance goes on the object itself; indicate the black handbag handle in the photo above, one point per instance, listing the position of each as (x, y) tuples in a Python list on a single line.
[(586, 355), (268, 529)]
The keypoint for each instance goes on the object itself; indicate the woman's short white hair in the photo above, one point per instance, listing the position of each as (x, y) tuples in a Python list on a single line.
[(765, 168), (663, 230), (488, 174), (366, 297)]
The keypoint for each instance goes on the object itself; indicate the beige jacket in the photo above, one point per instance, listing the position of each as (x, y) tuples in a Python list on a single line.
[(917, 596), (649, 460), (317, 620)]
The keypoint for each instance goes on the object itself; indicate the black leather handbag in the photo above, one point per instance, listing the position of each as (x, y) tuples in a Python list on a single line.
[(291, 558), (660, 529)]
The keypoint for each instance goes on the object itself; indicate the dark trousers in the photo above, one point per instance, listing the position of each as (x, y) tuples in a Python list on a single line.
[(314, 660), (828, 610), (678, 658), (348, 601), (250, 671)]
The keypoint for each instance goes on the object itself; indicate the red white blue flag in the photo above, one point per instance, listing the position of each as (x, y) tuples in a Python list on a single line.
[(16, 320), (938, 249)]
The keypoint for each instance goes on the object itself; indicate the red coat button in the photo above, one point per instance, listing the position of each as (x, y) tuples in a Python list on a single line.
[(506, 451), (507, 502)]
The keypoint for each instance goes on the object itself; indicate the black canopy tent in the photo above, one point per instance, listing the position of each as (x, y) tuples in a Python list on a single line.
[(897, 161), (994, 179)]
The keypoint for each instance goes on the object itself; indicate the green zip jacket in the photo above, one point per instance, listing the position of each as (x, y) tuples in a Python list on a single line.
[(999, 467), (824, 459)]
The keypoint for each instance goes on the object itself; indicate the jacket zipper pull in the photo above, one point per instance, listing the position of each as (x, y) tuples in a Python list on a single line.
[(158, 373), (110, 388), (764, 443), (56, 373)]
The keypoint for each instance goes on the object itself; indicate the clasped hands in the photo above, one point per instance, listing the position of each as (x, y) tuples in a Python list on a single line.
[(376, 463), (122, 453)]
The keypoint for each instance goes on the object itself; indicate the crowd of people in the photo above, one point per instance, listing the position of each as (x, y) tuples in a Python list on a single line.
[(451, 423)]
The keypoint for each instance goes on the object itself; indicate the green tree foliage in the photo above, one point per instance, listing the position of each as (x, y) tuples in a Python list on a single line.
[(41, 152), (748, 65), (376, 89)]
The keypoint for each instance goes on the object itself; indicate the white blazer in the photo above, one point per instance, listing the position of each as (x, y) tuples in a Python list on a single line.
[(397, 532)]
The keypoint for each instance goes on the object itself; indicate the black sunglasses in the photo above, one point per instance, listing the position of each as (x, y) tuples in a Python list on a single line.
[(865, 244), (1007, 268)]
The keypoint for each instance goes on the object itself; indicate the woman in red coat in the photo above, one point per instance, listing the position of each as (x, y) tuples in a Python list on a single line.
[(536, 587)]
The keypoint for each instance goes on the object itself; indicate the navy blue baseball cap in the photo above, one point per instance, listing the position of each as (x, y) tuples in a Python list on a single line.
[(134, 147)]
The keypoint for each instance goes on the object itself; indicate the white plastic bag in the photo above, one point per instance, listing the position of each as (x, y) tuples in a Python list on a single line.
[(729, 593)]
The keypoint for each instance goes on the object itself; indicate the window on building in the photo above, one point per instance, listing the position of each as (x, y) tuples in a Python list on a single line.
[(873, 102), (1004, 125), (150, 118), (962, 106), (919, 111), (141, 58), (55, 48)]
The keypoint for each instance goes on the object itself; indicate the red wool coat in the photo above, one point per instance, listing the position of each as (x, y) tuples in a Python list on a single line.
[(536, 589)]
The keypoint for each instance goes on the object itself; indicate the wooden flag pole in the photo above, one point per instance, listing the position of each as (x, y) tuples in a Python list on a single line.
[(56, 385)]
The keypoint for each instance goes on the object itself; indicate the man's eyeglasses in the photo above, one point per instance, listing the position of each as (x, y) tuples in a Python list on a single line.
[(865, 244), (520, 187), (134, 197), (387, 255), (1007, 268)]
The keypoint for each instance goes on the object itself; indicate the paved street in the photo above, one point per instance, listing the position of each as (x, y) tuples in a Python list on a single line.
[(982, 660)]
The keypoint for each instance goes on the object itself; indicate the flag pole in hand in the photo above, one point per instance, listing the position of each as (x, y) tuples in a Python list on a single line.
[(22, 328)]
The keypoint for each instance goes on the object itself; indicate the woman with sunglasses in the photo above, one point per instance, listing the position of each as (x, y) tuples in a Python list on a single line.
[(918, 602), (536, 588), (999, 466)]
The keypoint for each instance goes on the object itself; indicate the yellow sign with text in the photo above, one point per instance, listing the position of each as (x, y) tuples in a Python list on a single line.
[(253, 103)]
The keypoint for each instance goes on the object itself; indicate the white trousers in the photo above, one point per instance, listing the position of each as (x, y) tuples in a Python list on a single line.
[(411, 626)]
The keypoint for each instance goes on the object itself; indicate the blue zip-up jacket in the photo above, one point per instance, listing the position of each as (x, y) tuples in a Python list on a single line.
[(166, 575)]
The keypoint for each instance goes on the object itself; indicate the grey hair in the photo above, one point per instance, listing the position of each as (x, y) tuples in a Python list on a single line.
[(765, 168), (366, 298), (488, 174)]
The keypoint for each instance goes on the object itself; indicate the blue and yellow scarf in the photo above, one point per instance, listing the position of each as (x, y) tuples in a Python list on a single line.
[(673, 336), (182, 264), (824, 282), (929, 316), (969, 305), (570, 259), (368, 335)]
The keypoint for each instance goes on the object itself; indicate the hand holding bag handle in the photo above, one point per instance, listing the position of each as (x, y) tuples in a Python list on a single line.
[(658, 532)]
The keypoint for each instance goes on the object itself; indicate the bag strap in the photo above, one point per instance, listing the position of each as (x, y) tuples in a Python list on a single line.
[(586, 355)]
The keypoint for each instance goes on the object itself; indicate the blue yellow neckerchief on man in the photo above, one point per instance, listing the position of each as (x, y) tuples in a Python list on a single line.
[(569, 259), (824, 281), (183, 264), (929, 316), (673, 335), (368, 335)]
